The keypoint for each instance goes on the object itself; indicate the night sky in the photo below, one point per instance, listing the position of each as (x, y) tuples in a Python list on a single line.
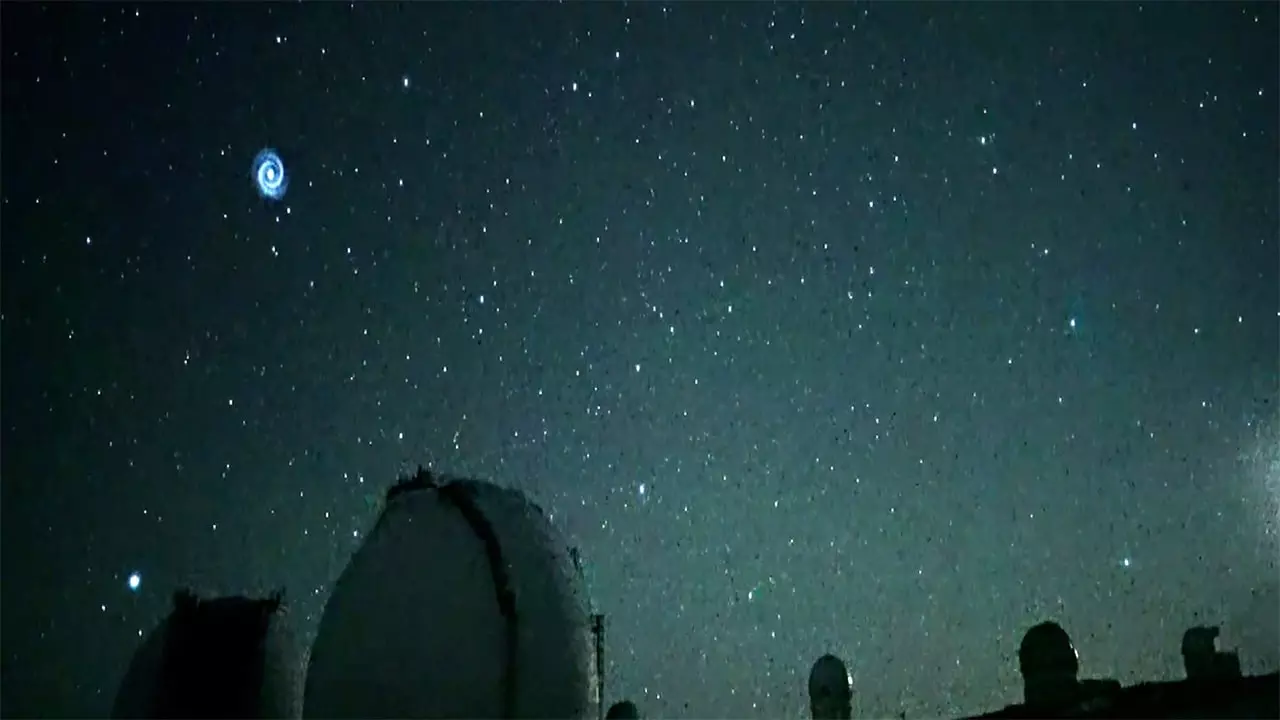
[(886, 330)]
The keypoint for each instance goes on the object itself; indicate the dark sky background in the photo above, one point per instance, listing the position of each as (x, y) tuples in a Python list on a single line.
[(887, 330)]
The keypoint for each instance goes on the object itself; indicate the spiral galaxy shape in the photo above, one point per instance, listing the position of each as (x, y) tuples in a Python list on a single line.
[(269, 176)]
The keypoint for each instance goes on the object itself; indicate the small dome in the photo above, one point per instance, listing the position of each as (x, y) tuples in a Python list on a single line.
[(463, 602), (829, 678), (1046, 648)]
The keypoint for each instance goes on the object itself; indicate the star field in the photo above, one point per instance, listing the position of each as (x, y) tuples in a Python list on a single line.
[(885, 330)]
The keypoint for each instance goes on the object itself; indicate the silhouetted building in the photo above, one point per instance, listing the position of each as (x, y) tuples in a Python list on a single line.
[(1049, 666), (1201, 657), (226, 657), (1050, 671), (830, 689)]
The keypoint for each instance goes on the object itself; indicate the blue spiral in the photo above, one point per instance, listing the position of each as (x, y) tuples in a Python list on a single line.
[(269, 176)]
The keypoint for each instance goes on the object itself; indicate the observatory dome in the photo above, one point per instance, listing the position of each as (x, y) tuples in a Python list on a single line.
[(830, 688), (218, 657), (462, 602)]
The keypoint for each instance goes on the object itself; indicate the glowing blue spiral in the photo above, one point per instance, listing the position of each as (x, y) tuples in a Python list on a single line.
[(269, 175)]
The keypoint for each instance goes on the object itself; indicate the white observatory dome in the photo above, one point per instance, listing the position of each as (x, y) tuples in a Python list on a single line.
[(463, 602)]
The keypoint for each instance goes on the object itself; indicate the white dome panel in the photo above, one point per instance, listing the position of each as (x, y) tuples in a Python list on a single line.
[(416, 625)]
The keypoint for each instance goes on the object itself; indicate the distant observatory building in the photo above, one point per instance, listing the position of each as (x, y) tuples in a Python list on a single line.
[(463, 602), (830, 689)]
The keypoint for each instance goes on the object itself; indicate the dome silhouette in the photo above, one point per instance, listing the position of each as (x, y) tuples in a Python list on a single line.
[(216, 657)]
